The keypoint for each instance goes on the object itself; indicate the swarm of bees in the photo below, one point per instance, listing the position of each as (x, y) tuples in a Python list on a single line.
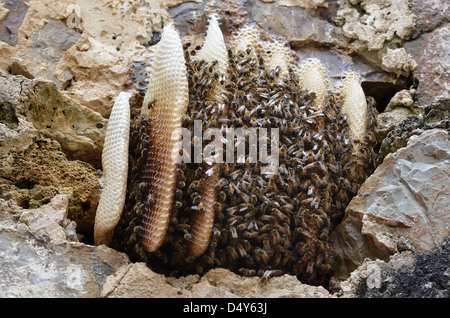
[(230, 214)]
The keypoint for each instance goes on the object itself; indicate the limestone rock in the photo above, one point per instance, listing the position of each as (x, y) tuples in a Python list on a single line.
[(287, 286), (398, 61), (137, 280), (190, 18), (48, 45), (9, 214), (371, 23), (12, 14), (42, 258), (306, 4), (407, 274), (15, 133), (298, 25), (430, 14), (403, 98), (49, 219), (33, 176), (436, 115), (79, 130), (371, 27), (403, 205), (85, 47), (34, 267), (399, 108), (430, 50)]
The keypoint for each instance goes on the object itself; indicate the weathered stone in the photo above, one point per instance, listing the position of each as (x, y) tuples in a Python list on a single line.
[(34, 267), (404, 98), (307, 4), (137, 280), (9, 214), (430, 14), (31, 177), (11, 19), (15, 138), (412, 207), (388, 121), (371, 27), (407, 274), (49, 219), (398, 62), (370, 24), (48, 45), (404, 204), (85, 47), (299, 26), (189, 17), (399, 108), (430, 50), (286, 286), (42, 258), (436, 115), (79, 130)]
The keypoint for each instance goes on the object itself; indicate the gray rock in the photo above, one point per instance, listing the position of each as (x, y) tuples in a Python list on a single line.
[(436, 115), (48, 45), (430, 14), (138, 281), (11, 23), (34, 267), (430, 50), (299, 26), (403, 205), (407, 275), (189, 17), (42, 258)]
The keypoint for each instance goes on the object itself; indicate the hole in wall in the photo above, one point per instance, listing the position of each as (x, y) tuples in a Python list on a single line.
[(382, 92)]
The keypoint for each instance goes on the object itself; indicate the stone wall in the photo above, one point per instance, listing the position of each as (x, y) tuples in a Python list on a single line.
[(62, 64)]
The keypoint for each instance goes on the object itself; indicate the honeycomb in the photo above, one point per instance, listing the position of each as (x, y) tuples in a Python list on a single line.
[(248, 36), (164, 105), (202, 219), (214, 48), (277, 55), (354, 104), (115, 170), (313, 77)]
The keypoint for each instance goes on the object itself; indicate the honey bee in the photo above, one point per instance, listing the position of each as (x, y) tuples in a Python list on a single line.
[(247, 272), (262, 255), (232, 254)]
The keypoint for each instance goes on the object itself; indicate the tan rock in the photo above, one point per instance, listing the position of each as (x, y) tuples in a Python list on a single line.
[(137, 280), (371, 25), (85, 47), (16, 138), (307, 4), (430, 51), (34, 267), (402, 98), (399, 108), (78, 129), (49, 220), (398, 62), (32, 177), (286, 286)]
